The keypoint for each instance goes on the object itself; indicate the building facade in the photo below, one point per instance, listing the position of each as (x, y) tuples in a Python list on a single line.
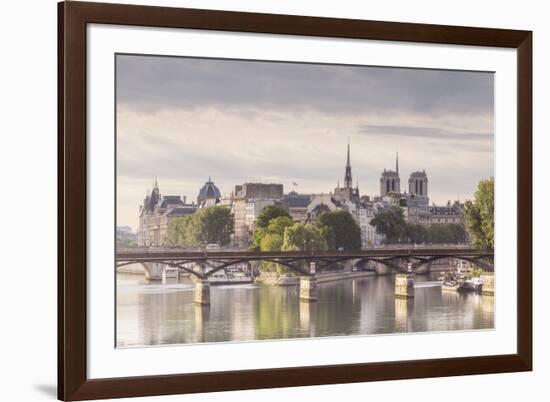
[(248, 201), (156, 213)]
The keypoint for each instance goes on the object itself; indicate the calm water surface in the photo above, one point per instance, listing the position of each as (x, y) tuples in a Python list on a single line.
[(164, 313)]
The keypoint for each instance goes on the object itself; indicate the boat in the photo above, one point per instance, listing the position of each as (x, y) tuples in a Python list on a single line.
[(453, 281), (474, 284), (457, 281)]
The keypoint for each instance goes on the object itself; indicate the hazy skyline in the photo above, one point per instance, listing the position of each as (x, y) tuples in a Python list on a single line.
[(184, 120)]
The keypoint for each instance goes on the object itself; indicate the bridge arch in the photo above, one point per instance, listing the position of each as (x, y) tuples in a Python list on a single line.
[(474, 260)]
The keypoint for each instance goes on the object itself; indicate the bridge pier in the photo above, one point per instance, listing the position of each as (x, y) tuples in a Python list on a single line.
[(170, 273), (202, 292), (153, 271), (488, 283), (404, 284)]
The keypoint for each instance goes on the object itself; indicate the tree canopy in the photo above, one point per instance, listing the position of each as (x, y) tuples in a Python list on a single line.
[(340, 230), (268, 213), (304, 237), (276, 227), (212, 225), (479, 215), (391, 223), (446, 233)]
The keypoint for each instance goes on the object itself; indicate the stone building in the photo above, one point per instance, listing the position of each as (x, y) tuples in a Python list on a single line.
[(418, 186), (156, 213), (389, 180), (451, 213), (245, 195)]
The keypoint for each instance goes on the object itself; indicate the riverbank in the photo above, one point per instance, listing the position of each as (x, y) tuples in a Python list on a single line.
[(131, 269)]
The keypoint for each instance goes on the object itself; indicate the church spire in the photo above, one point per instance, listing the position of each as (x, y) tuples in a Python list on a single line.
[(348, 183), (348, 162), (397, 163)]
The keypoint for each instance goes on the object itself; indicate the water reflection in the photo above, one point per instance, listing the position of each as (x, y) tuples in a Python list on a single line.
[(156, 313)]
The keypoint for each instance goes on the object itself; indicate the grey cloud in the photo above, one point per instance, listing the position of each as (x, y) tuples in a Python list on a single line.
[(423, 132), (151, 83)]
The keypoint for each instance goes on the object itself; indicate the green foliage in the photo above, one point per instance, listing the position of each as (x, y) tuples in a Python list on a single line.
[(479, 215), (391, 223), (270, 238), (304, 237), (269, 213), (446, 233), (271, 242), (275, 226), (212, 225), (418, 234), (340, 230)]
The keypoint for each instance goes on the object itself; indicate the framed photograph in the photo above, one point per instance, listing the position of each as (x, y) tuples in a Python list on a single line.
[(254, 200)]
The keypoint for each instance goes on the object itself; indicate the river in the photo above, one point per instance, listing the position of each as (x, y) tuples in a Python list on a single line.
[(160, 314)]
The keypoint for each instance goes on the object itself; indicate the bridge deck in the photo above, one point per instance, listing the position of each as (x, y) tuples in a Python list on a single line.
[(179, 254)]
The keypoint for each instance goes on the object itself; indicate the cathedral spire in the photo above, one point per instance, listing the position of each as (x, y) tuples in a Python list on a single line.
[(397, 163), (348, 183), (348, 162)]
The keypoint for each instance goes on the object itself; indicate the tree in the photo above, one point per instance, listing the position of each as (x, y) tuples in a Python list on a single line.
[(271, 242), (276, 226), (268, 213), (207, 226), (215, 225), (271, 239), (417, 233), (446, 233), (177, 233), (391, 223), (304, 237), (340, 230), (479, 215)]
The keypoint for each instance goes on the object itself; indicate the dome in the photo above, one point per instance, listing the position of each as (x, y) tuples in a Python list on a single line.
[(209, 191)]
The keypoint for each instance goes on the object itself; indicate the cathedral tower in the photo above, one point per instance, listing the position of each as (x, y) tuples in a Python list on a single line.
[(389, 180)]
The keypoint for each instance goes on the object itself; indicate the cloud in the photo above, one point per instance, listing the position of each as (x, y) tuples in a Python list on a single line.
[(423, 132), (154, 82)]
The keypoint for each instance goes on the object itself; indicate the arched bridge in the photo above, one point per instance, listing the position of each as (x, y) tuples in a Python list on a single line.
[(298, 262)]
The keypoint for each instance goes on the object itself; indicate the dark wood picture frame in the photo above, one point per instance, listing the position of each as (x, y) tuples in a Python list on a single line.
[(73, 383)]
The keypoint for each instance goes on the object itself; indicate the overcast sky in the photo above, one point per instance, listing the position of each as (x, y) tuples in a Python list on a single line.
[(184, 119)]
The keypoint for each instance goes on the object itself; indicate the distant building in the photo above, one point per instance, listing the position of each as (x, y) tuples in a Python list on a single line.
[(209, 195), (296, 205), (155, 214), (389, 180), (451, 213), (125, 236), (347, 192), (418, 186), (321, 203), (364, 214), (248, 201)]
